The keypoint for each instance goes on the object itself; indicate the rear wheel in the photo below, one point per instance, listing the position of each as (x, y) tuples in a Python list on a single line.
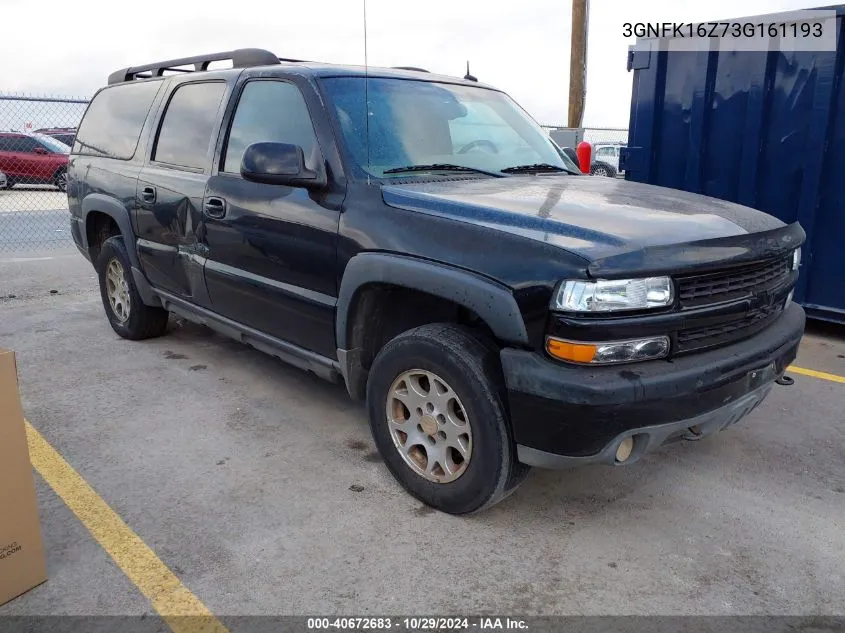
[(436, 404), (603, 170), (126, 311)]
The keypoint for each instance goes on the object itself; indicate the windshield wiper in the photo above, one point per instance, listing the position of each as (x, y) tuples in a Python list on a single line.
[(440, 167), (535, 168)]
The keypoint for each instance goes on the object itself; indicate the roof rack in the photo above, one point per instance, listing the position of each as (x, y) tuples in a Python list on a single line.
[(241, 58), (422, 70)]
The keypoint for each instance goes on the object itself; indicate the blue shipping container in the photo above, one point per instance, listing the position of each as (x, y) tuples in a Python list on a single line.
[(764, 129)]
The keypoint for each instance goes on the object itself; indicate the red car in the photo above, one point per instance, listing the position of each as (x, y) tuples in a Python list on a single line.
[(33, 159)]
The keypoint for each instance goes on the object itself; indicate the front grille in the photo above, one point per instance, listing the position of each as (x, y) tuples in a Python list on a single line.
[(705, 288), (710, 336), (759, 279)]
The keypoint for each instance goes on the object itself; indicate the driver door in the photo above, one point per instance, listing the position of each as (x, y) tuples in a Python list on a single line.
[(270, 250)]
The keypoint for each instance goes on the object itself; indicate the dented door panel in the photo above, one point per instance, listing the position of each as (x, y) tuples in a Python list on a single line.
[(169, 205)]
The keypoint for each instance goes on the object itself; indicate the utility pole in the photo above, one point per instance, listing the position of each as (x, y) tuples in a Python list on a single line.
[(578, 62)]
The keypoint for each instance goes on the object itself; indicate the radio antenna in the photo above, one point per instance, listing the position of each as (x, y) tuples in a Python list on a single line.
[(366, 93)]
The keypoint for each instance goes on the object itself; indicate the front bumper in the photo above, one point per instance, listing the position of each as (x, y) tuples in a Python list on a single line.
[(564, 415)]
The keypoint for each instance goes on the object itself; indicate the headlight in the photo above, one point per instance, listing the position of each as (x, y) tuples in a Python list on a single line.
[(605, 352), (796, 258), (614, 294)]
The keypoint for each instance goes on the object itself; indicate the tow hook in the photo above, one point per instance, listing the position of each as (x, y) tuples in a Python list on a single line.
[(785, 380)]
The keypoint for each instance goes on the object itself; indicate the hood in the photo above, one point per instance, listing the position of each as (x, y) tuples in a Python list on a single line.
[(600, 219)]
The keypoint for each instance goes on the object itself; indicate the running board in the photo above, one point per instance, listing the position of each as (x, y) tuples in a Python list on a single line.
[(288, 352)]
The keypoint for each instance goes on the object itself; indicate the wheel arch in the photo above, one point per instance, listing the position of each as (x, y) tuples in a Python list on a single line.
[(97, 203), (102, 205), (479, 297)]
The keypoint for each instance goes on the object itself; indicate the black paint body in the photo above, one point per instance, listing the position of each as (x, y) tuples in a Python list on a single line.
[(280, 266)]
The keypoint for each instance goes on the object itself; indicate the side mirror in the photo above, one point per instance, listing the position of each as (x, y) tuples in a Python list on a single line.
[(279, 164), (40, 150)]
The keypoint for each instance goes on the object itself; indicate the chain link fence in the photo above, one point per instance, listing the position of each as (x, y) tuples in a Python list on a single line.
[(35, 135)]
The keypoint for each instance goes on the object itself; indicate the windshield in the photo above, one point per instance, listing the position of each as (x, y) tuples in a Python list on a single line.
[(52, 144), (427, 123)]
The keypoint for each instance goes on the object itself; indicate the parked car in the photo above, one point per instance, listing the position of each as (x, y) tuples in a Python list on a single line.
[(4, 183), (495, 309), (606, 159), (62, 134), (33, 159)]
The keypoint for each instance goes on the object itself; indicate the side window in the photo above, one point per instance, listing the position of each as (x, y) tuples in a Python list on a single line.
[(113, 122), (605, 152), (272, 111), (188, 125), (5, 145), (26, 144), (14, 143)]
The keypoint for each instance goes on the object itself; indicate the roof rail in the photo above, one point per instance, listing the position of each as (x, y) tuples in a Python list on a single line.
[(422, 70), (241, 58)]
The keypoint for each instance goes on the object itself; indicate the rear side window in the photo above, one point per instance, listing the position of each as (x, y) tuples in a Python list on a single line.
[(113, 122), (24, 144), (188, 125)]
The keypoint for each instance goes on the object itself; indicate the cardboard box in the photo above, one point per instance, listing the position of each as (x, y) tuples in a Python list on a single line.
[(22, 561)]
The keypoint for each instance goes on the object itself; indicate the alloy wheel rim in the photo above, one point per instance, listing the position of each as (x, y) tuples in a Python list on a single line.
[(429, 426), (117, 290)]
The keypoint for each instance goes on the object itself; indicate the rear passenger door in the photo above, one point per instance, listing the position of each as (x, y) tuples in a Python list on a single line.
[(271, 258), (171, 187)]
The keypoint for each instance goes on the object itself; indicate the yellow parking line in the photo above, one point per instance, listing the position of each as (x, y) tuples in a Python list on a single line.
[(817, 374), (173, 601)]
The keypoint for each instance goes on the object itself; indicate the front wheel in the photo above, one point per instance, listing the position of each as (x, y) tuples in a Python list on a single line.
[(126, 311), (436, 404), (60, 180)]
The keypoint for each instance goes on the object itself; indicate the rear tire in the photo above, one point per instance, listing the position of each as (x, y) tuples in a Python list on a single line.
[(464, 380), (602, 169), (128, 316)]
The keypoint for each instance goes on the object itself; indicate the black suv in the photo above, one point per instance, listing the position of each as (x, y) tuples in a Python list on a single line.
[(420, 239)]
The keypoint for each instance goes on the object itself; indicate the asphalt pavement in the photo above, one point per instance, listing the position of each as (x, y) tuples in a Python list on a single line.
[(260, 487)]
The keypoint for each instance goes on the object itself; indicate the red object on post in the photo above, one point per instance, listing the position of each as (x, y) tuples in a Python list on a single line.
[(584, 151)]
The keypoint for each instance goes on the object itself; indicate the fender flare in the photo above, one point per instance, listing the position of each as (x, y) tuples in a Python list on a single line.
[(491, 301), (118, 212)]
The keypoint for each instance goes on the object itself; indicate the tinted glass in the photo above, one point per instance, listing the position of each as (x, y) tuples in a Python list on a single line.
[(269, 111), (188, 125), (112, 125), (25, 144), (5, 143)]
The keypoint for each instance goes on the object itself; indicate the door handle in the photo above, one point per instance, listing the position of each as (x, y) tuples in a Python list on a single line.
[(148, 194), (215, 207)]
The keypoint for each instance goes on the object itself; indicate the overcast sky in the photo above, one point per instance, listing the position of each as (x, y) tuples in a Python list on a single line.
[(519, 46)]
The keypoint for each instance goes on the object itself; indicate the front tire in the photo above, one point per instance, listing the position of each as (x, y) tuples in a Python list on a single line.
[(436, 404), (60, 179), (128, 316)]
